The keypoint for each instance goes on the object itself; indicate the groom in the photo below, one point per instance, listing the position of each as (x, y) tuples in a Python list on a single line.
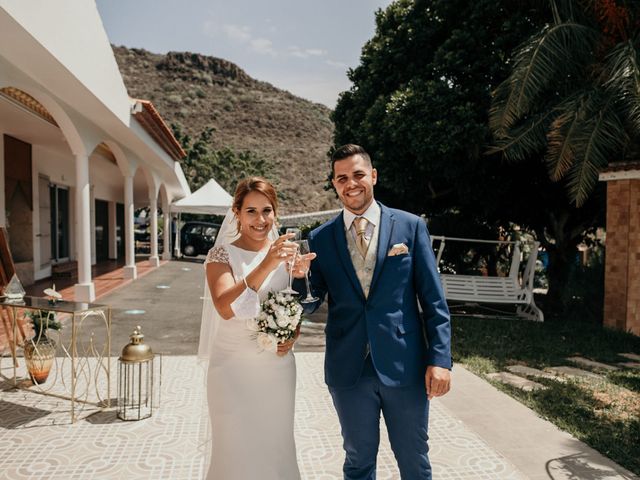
[(382, 354)]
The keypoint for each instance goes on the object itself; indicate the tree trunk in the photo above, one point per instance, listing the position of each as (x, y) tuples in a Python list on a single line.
[(567, 234)]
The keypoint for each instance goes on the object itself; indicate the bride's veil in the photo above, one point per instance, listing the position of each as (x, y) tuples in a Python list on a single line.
[(210, 319)]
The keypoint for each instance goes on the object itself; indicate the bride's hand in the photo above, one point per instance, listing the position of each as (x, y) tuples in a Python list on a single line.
[(280, 250), (302, 264), (283, 348)]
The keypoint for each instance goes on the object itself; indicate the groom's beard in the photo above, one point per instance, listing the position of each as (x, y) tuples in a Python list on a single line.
[(357, 205)]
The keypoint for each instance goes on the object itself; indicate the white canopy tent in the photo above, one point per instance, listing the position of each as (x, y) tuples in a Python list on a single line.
[(210, 199)]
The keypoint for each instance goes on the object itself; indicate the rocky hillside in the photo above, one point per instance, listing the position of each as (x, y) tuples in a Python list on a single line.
[(196, 91)]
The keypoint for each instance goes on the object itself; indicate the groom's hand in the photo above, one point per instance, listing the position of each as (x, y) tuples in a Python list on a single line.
[(302, 264), (437, 381)]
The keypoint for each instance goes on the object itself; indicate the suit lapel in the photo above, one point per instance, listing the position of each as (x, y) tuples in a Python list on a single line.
[(384, 237), (340, 238)]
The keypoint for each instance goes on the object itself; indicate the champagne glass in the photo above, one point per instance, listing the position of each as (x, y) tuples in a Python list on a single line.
[(303, 249), (296, 232), (289, 288)]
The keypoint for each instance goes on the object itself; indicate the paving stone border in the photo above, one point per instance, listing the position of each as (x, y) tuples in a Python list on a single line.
[(516, 381)]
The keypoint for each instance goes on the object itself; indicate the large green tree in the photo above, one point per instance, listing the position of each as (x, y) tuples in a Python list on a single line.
[(419, 104), (227, 166), (573, 93)]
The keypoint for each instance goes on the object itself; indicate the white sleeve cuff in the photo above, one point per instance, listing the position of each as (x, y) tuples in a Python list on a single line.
[(247, 305)]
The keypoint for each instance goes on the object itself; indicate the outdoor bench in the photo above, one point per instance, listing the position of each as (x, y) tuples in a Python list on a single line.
[(514, 289)]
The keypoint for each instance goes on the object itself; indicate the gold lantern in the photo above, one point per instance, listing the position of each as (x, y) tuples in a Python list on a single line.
[(136, 382)]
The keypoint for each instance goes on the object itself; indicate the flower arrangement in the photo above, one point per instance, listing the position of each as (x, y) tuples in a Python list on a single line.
[(280, 314)]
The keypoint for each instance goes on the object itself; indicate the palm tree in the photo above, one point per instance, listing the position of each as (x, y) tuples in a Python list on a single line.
[(573, 95)]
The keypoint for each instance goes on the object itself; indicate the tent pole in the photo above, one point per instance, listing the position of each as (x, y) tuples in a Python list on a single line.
[(176, 242)]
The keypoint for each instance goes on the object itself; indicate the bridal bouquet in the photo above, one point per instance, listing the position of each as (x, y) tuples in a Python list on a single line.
[(277, 321)]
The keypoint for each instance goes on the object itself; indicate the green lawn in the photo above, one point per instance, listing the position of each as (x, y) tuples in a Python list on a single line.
[(604, 413)]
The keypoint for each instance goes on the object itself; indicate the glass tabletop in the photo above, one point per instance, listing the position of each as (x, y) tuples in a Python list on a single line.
[(62, 306)]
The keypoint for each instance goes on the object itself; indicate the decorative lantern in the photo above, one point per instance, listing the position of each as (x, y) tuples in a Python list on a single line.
[(136, 382)]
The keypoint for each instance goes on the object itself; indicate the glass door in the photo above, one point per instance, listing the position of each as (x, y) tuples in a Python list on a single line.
[(59, 197)]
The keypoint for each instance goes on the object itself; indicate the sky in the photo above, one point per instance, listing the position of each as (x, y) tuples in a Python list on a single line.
[(303, 46)]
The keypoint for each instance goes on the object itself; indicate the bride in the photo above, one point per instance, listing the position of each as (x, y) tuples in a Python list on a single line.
[(250, 392)]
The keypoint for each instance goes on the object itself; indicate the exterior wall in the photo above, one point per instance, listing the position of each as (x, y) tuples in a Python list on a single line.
[(68, 31), (3, 219), (622, 268)]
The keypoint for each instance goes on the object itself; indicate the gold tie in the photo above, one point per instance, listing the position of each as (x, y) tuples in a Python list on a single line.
[(361, 242)]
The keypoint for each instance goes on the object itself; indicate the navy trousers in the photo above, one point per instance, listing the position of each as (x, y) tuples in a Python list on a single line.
[(406, 414)]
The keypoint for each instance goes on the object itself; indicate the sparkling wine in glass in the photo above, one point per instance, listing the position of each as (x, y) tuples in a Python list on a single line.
[(303, 249), (289, 288)]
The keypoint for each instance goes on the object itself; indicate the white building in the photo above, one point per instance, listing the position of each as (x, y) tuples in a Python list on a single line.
[(77, 155)]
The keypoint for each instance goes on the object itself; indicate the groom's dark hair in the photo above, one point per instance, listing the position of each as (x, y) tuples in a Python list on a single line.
[(348, 150)]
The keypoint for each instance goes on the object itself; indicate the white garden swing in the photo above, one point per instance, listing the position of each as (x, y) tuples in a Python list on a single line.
[(514, 289)]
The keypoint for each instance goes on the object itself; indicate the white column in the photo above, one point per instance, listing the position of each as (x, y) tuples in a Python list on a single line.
[(84, 290), (130, 270), (166, 233), (153, 212), (113, 234), (3, 213)]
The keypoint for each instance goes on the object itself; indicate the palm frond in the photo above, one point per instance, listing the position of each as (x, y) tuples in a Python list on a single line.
[(556, 51), (525, 140), (562, 135), (600, 138), (622, 79)]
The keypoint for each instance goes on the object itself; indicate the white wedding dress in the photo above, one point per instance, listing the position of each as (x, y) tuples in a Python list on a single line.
[(251, 393)]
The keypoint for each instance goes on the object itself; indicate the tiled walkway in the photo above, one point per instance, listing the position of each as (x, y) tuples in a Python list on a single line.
[(171, 444), (476, 431)]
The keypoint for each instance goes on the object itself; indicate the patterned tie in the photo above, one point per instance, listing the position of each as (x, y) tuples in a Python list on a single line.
[(361, 242)]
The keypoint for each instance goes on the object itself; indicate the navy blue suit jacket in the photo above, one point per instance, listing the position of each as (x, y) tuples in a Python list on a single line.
[(403, 341)]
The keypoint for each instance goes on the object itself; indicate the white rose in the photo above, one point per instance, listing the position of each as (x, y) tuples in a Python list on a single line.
[(272, 323), (282, 320), (267, 343)]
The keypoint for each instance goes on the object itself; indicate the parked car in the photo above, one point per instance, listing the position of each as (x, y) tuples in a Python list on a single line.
[(197, 238)]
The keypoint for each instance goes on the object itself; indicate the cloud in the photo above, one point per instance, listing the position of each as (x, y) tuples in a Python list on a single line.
[(263, 46), (298, 52), (237, 33), (333, 63)]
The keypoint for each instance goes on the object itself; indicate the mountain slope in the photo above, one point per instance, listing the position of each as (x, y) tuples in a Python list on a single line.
[(197, 91)]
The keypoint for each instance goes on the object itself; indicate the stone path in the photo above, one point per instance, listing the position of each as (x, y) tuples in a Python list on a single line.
[(516, 375)]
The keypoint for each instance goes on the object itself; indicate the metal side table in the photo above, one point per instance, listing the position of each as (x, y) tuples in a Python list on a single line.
[(81, 368)]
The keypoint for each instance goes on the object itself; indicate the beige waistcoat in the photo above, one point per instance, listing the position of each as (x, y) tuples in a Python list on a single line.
[(364, 266)]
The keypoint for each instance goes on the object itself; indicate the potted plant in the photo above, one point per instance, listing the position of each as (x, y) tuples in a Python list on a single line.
[(40, 350)]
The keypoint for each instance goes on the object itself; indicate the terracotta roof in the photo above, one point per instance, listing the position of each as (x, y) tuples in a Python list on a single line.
[(153, 123)]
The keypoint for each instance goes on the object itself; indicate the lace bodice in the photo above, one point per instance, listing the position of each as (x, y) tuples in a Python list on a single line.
[(217, 255)]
